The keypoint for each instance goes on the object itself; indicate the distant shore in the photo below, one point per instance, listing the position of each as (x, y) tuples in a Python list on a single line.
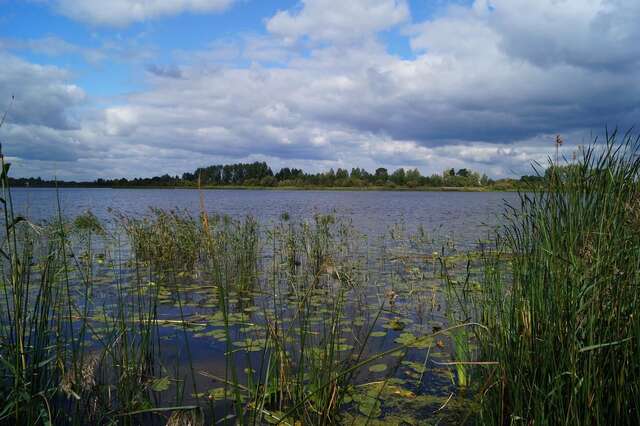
[(288, 188)]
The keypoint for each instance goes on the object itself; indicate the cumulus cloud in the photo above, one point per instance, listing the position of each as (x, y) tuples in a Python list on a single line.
[(598, 34), (41, 124), (338, 21), (120, 121), (44, 97), (125, 12), (501, 93), (32, 142)]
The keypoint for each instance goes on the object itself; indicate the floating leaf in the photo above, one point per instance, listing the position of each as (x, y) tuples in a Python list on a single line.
[(405, 339), (378, 368), (343, 347), (160, 385), (415, 366), (396, 324), (368, 405)]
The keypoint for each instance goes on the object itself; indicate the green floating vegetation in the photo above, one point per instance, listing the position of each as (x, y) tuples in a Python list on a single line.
[(378, 368)]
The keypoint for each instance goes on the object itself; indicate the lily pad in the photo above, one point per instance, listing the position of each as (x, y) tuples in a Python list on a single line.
[(161, 384), (378, 368)]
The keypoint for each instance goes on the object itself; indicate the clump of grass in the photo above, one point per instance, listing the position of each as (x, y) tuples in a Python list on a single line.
[(64, 360), (88, 223), (563, 314), (298, 362), (30, 353), (165, 238)]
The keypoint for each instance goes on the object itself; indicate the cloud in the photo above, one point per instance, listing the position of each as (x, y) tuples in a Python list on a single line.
[(41, 143), (164, 71), (43, 95), (338, 21), (124, 12), (481, 91), (120, 121), (478, 86), (41, 123), (594, 34), (52, 46)]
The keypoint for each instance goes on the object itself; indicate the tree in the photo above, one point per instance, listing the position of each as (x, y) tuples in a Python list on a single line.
[(413, 174), (413, 178), (398, 177), (381, 175), (342, 174)]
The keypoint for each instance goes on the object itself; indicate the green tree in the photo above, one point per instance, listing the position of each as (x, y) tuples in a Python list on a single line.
[(398, 177), (381, 175)]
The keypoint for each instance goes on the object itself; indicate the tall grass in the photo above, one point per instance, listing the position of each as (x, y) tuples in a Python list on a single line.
[(562, 307), (65, 359), (296, 362), (29, 357)]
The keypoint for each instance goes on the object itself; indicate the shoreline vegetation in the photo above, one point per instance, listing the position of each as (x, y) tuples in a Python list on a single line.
[(561, 315), (259, 175), (285, 188), (120, 323)]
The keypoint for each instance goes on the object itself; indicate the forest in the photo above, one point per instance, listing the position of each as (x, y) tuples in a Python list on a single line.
[(260, 175)]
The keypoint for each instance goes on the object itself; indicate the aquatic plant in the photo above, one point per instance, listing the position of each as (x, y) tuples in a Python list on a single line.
[(64, 359), (562, 307), (165, 238)]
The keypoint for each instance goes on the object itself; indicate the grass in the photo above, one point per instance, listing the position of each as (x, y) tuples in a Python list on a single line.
[(562, 309), (58, 364)]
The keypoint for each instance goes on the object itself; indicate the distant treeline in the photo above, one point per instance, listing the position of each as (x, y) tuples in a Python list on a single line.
[(259, 174)]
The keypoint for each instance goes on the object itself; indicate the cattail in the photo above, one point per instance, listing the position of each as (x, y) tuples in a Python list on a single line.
[(559, 143)]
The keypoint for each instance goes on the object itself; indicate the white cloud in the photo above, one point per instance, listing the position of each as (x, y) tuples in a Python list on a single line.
[(338, 20), (125, 12), (52, 46), (43, 94), (120, 121), (600, 34)]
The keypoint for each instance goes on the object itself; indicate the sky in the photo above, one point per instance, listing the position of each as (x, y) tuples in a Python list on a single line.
[(137, 88)]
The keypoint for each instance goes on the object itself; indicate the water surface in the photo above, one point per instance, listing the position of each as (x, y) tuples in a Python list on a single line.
[(464, 216)]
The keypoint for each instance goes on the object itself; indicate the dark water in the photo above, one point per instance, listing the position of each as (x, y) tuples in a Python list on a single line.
[(464, 216)]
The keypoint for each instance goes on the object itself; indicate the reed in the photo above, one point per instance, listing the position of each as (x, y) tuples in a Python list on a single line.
[(64, 358), (295, 355), (560, 297)]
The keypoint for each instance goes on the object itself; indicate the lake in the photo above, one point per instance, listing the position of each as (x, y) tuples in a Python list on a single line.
[(464, 216)]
